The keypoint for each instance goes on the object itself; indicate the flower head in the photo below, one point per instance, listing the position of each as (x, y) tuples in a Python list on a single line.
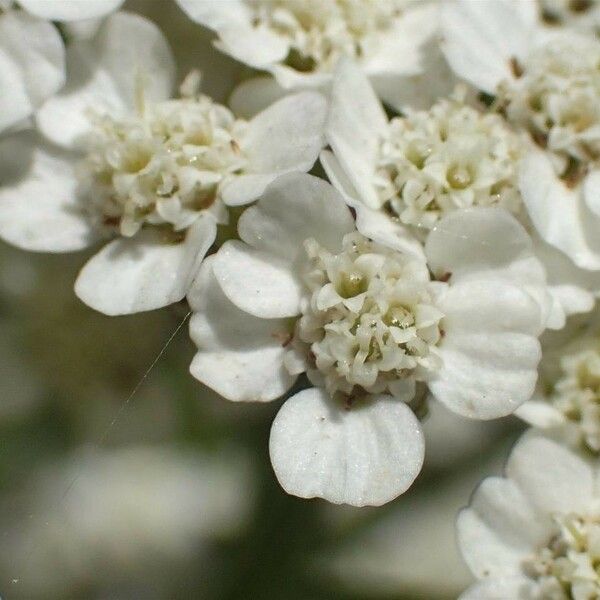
[(534, 533), (546, 84), (305, 292)]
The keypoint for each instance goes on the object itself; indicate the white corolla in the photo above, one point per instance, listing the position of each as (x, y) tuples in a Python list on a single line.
[(534, 533), (372, 328), (155, 173), (545, 82), (300, 41)]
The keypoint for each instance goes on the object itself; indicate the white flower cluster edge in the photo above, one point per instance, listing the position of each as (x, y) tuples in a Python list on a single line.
[(424, 262)]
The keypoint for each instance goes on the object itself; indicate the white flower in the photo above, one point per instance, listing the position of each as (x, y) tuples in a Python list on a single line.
[(305, 292), (69, 10), (157, 173), (546, 84), (572, 398), (122, 518), (534, 534), (300, 41), (402, 175)]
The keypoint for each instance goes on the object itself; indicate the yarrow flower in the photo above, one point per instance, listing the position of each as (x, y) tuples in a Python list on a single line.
[(156, 173), (533, 534), (305, 292), (571, 397), (546, 84), (403, 175), (300, 41)]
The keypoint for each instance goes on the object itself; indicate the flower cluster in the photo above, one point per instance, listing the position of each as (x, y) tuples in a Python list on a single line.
[(359, 257)]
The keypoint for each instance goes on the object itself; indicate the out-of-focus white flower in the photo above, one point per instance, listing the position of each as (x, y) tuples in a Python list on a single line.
[(32, 65), (32, 53), (300, 41), (305, 292), (156, 172), (547, 85), (534, 533), (572, 398), (106, 518)]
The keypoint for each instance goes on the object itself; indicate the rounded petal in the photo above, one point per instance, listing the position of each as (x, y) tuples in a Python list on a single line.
[(145, 272), (70, 10), (500, 589), (367, 454), (294, 208), (32, 65), (560, 214), (40, 208), (490, 350), (554, 477), (476, 239), (500, 529), (539, 413), (481, 38), (287, 136), (257, 282), (239, 356), (355, 124), (106, 74)]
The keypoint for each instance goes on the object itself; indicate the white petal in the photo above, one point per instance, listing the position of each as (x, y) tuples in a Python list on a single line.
[(240, 356), (560, 214), (481, 38), (398, 49), (40, 208), (287, 136), (245, 189), (355, 124), (131, 275), (70, 10), (500, 589), (490, 351), (591, 191), (500, 529), (257, 282), (420, 91), (32, 65), (554, 477), (294, 208), (105, 73), (539, 413), (253, 95), (366, 455), (232, 20), (476, 239)]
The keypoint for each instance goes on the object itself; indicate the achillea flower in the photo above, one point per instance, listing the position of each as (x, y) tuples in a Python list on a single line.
[(153, 172), (370, 326)]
